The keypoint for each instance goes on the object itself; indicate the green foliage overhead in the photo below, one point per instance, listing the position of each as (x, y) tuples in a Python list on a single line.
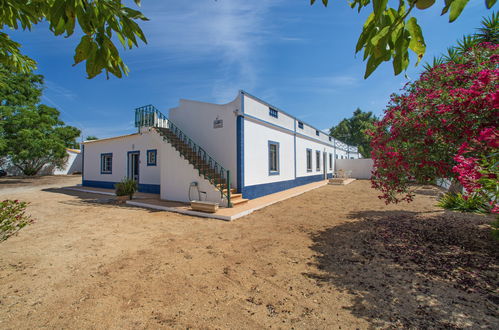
[(353, 131), (31, 134), (389, 33), (99, 21)]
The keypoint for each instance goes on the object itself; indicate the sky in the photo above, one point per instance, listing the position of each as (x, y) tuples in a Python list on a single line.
[(297, 57)]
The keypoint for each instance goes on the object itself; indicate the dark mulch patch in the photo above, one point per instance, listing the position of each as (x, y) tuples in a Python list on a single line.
[(412, 270)]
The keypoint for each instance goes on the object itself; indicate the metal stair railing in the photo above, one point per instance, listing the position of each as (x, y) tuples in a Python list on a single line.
[(149, 116)]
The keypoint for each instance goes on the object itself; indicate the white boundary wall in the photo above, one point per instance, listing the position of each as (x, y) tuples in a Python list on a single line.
[(361, 168)]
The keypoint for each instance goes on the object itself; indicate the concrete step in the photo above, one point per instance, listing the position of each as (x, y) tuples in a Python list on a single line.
[(239, 201)]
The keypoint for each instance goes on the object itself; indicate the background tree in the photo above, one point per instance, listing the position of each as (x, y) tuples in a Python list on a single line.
[(99, 22), (389, 33), (91, 137), (31, 134), (353, 131)]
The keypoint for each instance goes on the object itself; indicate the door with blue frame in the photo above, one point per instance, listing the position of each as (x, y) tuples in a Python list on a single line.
[(133, 165)]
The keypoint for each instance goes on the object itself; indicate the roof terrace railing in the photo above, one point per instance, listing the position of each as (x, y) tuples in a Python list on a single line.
[(149, 116)]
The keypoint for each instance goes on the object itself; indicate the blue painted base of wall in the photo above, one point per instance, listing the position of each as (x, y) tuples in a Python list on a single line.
[(145, 188), (260, 190), (150, 188)]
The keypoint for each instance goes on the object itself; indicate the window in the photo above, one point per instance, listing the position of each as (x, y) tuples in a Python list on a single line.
[(273, 113), (330, 139), (309, 160), (273, 158), (336, 156), (151, 157), (300, 124), (106, 163), (317, 132), (330, 161), (318, 160)]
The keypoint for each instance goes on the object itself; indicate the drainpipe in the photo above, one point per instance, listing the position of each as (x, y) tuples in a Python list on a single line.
[(334, 156)]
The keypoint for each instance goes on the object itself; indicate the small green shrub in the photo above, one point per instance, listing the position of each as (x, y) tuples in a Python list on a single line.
[(458, 202), (12, 218), (127, 187)]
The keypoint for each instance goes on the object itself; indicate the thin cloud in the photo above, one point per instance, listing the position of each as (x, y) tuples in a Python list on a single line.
[(59, 90), (290, 39), (231, 34)]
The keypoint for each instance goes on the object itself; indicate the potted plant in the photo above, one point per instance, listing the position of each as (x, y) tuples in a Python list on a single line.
[(125, 188)]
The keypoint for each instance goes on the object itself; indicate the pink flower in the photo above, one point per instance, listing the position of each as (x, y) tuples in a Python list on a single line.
[(490, 135)]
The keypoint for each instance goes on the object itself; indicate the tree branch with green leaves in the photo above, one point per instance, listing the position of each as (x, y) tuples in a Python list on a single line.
[(389, 33), (98, 20)]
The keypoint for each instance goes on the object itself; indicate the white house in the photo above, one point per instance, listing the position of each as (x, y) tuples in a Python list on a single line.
[(221, 153), (72, 164)]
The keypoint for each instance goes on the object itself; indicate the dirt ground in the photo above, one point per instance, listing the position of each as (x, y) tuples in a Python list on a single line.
[(335, 257), (13, 184)]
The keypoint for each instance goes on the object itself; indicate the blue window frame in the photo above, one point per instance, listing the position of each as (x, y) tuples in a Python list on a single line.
[(300, 124), (106, 163), (152, 155), (273, 158), (309, 160), (273, 113), (317, 132), (318, 160)]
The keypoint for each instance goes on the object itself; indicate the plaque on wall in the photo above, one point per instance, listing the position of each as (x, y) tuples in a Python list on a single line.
[(218, 123)]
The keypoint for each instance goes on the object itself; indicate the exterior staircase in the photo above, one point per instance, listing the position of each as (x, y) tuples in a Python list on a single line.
[(206, 166)]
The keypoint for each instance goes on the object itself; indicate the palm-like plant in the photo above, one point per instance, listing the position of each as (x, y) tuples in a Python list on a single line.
[(436, 62), (466, 43), (489, 31), (453, 55)]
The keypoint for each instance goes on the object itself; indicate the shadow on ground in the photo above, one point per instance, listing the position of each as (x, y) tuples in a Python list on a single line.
[(14, 181), (413, 270), (85, 198)]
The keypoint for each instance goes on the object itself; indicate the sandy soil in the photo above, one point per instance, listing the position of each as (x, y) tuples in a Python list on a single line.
[(16, 184), (335, 257)]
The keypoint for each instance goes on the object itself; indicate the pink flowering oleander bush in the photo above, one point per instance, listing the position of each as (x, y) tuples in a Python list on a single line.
[(12, 218), (444, 125)]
